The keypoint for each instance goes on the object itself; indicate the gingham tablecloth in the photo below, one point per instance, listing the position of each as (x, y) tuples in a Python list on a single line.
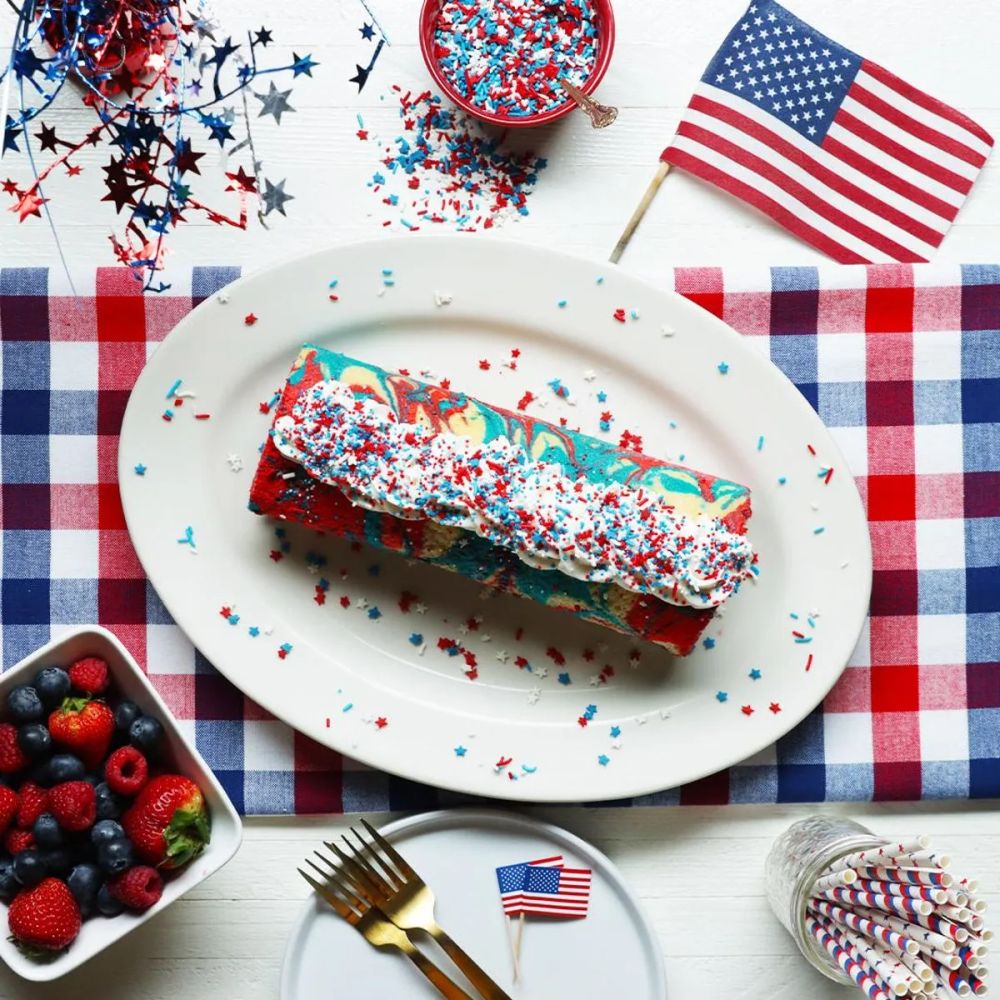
[(902, 363)]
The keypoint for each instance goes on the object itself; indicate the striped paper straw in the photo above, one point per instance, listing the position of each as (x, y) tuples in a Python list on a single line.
[(913, 876), (974, 903), (959, 914), (897, 889), (977, 984), (847, 877), (879, 855), (861, 951), (917, 966), (901, 981), (844, 960), (953, 979), (918, 859), (977, 944), (879, 901), (898, 942), (924, 937)]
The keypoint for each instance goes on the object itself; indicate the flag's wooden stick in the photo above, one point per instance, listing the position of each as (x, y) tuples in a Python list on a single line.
[(517, 945), (514, 951), (654, 185)]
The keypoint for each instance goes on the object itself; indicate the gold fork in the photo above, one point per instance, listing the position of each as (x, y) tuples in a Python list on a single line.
[(374, 926), (405, 899)]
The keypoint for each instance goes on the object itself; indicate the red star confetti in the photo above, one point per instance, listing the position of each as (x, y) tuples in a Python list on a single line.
[(250, 319), (747, 710), (774, 707)]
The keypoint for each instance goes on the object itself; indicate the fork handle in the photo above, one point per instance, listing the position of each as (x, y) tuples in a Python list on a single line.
[(482, 982), (445, 986)]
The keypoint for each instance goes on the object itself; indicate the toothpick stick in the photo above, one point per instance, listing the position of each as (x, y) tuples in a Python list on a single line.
[(517, 942), (654, 185), (514, 954)]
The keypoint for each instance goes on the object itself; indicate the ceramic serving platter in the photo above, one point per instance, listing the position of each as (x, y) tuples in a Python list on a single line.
[(416, 671)]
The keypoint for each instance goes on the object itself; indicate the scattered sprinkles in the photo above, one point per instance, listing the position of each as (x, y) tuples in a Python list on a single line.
[(140, 469), (721, 696), (603, 759), (755, 674), (250, 319), (188, 538), (723, 367)]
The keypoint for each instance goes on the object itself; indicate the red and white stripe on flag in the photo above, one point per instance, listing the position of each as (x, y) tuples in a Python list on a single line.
[(557, 892), (838, 150)]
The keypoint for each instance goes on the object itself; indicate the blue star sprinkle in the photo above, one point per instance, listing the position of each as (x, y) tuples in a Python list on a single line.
[(755, 674), (604, 760), (253, 631), (563, 678), (721, 696), (140, 469), (723, 367), (709, 643), (416, 639), (616, 731), (460, 751)]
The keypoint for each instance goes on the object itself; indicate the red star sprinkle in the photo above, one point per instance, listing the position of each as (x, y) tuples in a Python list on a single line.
[(264, 407), (276, 556), (775, 707), (588, 655), (484, 365), (747, 710), (619, 314), (446, 383), (472, 674), (249, 319), (320, 597), (362, 133), (515, 352), (345, 601), (522, 403), (520, 661), (553, 654), (282, 653), (225, 611), (582, 722), (381, 722)]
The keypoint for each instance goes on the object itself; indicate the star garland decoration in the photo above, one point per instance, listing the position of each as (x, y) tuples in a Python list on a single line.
[(158, 79)]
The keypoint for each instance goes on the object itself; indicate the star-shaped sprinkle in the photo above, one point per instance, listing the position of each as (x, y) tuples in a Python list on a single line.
[(542, 672), (254, 631), (755, 674), (564, 678), (709, 643), (460, 751), (533, 695), (381, 722), (140, 469), (502, 655), (616, 731), (723, 368), (774, 707), (721, 696), (603, 759), (250, 319), (747, 710)]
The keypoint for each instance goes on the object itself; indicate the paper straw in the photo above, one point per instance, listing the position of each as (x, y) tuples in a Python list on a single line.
[(976, 922), (953, 980), (973, 902), (924, 937), (958, 914), (913, 876), (847, 877), (977, 945), (898, 889), (917, 966), (879, 855), (895, 976), (949, 960), (977, 984), (845, 961), (957, 897), (879, 901), (898, 942), (919, 859)]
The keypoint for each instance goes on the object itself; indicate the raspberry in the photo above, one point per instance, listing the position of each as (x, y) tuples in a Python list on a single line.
[(89, 675), (18, 840), (74, 805), (34, 801), (11, 756), (138, 888), (126, 771)]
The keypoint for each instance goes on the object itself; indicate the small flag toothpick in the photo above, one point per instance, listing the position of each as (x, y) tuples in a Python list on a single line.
[(544, 887)]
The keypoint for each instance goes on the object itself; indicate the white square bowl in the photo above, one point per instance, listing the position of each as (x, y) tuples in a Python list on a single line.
[(227, 830)]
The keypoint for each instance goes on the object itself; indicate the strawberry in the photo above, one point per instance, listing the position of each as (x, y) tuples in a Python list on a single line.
[(9, 803), (44, 919), (138, 888), (34, 801), (89, 675), (126, 771), (74, 805), (168, 824), (85, 727), (17, 841), (11, 756)]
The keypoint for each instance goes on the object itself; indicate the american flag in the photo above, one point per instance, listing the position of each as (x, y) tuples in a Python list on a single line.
[(512, 879), (545, 889), (840, 151)]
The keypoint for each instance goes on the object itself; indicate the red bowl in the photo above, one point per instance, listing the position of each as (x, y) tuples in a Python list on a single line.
[(605, 46)]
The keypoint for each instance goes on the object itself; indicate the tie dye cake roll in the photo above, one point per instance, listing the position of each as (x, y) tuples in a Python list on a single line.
[(636, 544)]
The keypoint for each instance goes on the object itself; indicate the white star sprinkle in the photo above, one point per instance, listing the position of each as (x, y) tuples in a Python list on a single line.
[(234, 461), (502, 655)]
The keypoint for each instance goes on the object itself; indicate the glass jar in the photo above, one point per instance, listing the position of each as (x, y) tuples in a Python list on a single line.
[(797, 858)]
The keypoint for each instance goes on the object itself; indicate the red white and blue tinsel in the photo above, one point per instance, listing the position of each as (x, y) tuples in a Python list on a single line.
[(164, 87)]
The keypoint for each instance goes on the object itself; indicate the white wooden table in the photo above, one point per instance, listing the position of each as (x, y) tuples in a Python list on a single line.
[(697, 870)]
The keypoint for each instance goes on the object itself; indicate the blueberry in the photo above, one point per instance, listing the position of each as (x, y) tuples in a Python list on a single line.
[(84, 881), (65, 767), (24, 704), (114, 856), (107, 905), (104, 830), (145, 733), (52, 684), (109, 805), (125, 714), (47, 832), (57, 860), (9, 885), (29, 868), (34, 739)]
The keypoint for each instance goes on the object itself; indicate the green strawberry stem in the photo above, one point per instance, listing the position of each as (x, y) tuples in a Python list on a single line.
[(35, 953), (186, 835)]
